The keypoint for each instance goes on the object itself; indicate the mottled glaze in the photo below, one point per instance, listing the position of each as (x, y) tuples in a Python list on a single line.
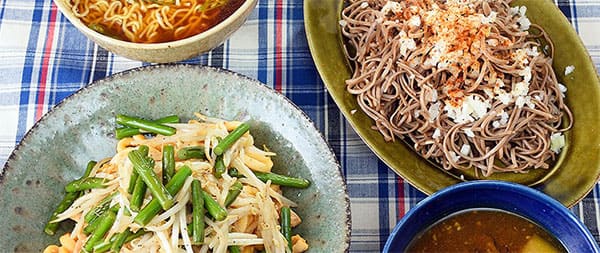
[(57, 148), (167, 51), (577, 168)]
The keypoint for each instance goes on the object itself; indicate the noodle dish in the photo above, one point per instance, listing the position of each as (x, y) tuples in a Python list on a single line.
[(157, 30), (200, 186), (467, 83)]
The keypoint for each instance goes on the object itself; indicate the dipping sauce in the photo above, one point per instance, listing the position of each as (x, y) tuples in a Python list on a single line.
[(485, 230)]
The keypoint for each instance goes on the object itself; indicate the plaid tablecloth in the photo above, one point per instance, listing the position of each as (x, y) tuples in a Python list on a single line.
[(43, 59)]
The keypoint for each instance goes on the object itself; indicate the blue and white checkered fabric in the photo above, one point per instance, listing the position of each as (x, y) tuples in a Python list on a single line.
[(43, 59)]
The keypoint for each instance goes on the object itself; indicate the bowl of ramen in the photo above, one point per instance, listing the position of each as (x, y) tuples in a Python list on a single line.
[(189, 163), (157, 30), (490, 216), (452, 91)]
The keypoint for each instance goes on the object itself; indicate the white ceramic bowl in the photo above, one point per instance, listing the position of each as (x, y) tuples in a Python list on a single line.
[(167, 51)]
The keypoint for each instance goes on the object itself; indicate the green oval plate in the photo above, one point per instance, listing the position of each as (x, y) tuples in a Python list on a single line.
[(79, 129), (578, 167)]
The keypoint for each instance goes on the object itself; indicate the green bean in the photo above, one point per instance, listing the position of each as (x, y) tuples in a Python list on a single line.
[(146, 125), (153, 207), (233, 193), (233, 172), (88, 169), (85, 184), (234, 249), (144, 150), (66, 202), (123, 132), (90, 227), (168, 163), (137, 197), (104, 224), (286, 227), (145, 169), (99, 209), (219, 167), (120, 240), (94, 223), (283, 180), (277, 179), (231, 138), (134, 175), (136, 235), (190, 228), (105, 245), (132, 180), (186, 153), (115, 208), (213, 208), (197, 212), (168, 119)]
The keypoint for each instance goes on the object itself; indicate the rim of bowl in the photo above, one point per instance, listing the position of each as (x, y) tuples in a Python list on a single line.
[(497, 185), (99, 82), (248, 5)]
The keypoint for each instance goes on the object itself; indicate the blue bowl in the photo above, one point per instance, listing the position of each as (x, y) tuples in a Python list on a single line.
[(521, 200)]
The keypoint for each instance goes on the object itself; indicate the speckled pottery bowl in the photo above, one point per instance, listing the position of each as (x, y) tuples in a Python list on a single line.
[(81, 128), (168, 51)]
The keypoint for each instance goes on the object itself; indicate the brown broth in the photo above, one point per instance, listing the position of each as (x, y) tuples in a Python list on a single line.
[(484, 230), (185, 23)]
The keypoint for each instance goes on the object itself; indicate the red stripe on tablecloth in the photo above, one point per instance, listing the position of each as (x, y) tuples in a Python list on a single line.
[(401, 199), (41, 94), (278, 43)]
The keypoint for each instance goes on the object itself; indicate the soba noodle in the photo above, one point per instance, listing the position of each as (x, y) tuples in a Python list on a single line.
[(469, 83), (152, 21)]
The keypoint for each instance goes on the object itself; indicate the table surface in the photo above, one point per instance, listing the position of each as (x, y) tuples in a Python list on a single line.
[(44, 59)]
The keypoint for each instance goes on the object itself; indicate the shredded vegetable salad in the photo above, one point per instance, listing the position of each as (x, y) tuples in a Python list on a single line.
[(200, 186)]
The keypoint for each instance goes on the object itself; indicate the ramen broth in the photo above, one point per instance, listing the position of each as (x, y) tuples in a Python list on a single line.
[(485, 230), (153, 21)]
